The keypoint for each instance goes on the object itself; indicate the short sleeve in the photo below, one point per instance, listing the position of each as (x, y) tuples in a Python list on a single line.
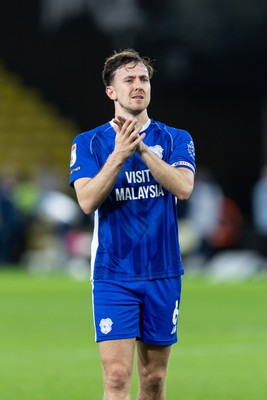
[(183, 153), (82, 161)]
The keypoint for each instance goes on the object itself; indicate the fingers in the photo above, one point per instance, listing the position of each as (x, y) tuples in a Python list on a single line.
[(138, 138), (123, 122), (127, 136), (127, 127), (119, 121), (139, 144)]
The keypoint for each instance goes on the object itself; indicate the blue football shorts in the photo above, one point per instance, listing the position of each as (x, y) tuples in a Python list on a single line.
[(145, 310)]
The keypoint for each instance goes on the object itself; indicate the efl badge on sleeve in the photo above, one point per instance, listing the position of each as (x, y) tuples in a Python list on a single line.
[(73, 156)]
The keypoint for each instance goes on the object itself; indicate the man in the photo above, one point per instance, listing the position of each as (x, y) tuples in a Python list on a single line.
[(129, 172)]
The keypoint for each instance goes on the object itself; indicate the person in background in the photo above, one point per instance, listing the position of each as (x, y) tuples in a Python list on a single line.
[(259, 203), (213, 222), (129, 173), (259, 211), (204, 210), (13, 224)]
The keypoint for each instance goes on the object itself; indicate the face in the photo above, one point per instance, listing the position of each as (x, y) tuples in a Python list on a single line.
[(130, 89)]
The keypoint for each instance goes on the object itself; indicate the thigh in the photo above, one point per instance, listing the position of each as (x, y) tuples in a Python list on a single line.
[(116, 353), (160, 312), (152, 359), (116, 309)]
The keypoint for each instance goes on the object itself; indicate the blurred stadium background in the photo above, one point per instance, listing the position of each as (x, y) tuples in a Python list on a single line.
[(211, 63)]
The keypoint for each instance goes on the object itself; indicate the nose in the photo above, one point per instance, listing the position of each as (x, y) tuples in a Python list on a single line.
[(138, 85)]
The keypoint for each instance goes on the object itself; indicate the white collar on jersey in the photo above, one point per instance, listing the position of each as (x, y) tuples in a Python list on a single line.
[(144, 127)]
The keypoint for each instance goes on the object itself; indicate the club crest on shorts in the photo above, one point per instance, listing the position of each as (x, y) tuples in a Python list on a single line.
[(157, 150), (106, 325)]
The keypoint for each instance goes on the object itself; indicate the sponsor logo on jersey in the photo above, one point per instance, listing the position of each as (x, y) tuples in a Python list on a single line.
[(106, 325), (140, 192), (73, 156), (157, 150)]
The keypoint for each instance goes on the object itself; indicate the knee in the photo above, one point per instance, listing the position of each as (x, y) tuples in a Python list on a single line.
[(117, 378), (154, 382)]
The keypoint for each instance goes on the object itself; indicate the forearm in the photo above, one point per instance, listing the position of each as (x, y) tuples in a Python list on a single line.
[(91, 193), (178, 181)]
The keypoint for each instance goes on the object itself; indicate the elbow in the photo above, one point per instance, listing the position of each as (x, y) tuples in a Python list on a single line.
[(184, 187), (87, 203), (87, 211), (87, 208), (185, 193), (183, 196)]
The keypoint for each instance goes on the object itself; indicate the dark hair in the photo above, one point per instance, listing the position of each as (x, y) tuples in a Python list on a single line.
[(117, 59)]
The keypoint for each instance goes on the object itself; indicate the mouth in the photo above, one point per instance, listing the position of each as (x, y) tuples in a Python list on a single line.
[(138, 97)]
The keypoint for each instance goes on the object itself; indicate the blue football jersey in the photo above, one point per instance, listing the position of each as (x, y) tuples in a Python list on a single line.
[(136, 227)]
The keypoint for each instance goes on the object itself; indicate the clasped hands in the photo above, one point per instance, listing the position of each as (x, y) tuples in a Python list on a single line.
[(128, 139)]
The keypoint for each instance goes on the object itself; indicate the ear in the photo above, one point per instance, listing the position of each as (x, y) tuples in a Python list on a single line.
[(110, 91)]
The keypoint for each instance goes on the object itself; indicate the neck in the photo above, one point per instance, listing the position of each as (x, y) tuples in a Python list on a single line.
[(141, 117)]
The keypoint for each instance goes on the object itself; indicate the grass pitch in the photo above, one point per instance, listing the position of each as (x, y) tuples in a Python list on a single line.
[(47, 349)]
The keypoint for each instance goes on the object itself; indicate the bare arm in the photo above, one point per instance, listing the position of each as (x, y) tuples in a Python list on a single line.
[(92, 192), (178, 181)]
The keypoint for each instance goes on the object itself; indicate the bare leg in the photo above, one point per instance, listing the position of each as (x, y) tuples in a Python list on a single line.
[(117, 361), (152, 363)]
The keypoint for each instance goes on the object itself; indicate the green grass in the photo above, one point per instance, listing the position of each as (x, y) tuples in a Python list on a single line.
[(47, 349)]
